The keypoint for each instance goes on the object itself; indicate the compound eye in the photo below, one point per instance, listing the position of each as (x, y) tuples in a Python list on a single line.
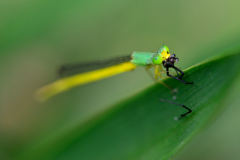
[(163, 48), (176, 60), (173, 55), (157, 60)]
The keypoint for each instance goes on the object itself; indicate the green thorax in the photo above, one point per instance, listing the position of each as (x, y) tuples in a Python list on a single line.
[(142, 58)]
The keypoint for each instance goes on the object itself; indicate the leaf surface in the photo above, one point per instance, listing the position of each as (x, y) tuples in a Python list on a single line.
[(142, 127)]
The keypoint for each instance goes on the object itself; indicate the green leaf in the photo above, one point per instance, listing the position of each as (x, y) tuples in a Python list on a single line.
[(142, 127)]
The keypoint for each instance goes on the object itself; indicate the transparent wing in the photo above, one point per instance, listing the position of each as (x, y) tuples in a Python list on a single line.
[(71, 69)]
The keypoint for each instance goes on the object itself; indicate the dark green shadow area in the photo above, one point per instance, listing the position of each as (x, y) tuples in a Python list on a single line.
[(142, 127)]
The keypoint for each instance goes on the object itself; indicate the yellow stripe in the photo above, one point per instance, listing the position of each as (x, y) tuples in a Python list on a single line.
[(64, 84)]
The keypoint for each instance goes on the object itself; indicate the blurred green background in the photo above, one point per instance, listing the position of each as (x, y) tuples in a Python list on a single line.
[(37, 37)]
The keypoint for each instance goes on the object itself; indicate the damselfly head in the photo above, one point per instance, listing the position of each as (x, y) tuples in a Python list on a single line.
[(165, 55), (163, 48)]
